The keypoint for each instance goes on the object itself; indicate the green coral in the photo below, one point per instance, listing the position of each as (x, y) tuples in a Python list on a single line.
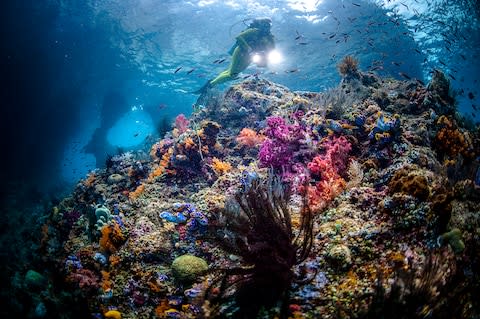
[(188, 267), (454, 239)]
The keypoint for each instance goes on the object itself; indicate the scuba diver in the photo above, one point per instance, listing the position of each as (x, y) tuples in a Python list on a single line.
[(255, 40)]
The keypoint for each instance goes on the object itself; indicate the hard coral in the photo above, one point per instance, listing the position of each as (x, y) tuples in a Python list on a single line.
[(187, 268), (451, 141), (410, 182)]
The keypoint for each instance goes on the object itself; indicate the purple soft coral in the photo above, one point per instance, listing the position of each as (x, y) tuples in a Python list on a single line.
[(283, 140), (278, 129)]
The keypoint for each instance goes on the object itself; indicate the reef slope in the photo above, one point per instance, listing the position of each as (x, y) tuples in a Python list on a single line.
[(387, 170)]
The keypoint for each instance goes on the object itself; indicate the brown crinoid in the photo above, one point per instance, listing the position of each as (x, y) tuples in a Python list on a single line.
[(348, 67), (258, 227)]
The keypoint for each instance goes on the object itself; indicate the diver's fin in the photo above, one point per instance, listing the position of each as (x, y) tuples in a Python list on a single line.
[(204, 88)]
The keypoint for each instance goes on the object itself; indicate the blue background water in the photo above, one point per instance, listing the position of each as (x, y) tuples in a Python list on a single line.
[(83, 79)]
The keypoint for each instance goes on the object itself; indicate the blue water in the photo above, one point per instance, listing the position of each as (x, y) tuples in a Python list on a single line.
[(82, 80)]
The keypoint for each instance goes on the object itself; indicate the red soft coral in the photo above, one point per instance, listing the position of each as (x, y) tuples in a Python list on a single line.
[(335, 157), (327, 168)]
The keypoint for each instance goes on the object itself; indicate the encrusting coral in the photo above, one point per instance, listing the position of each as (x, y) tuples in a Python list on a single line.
[(410, 182)]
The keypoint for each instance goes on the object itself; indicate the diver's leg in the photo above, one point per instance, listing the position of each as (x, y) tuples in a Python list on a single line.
[(240, 61), (222, 77)]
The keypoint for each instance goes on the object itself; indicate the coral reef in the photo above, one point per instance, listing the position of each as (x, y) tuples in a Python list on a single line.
[(411, 182), (450, 141), (358, 202)]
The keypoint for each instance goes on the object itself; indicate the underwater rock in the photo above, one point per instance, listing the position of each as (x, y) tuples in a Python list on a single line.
[(149, 241), (375, 188), (40, 310), (188, 268), (439, 84), (247, 103)]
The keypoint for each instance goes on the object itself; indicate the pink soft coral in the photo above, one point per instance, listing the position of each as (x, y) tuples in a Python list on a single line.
[(181, 123)]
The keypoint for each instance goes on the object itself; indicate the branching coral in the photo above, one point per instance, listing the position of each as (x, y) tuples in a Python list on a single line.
[(258, 227)]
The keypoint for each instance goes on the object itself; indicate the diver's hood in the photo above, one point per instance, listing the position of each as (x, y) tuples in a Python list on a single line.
[(261, 23)]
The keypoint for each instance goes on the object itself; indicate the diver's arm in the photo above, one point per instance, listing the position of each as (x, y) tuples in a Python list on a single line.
[(241, 38)]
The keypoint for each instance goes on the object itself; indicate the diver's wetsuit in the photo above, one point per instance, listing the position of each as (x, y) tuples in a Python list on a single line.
[(257, 38), (250, 40)]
